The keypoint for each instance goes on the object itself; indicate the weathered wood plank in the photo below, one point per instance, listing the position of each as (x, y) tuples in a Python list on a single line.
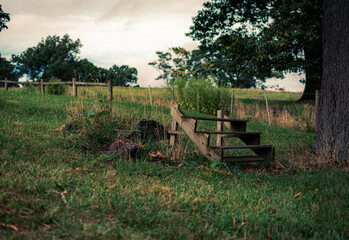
[(242, 146), (174, 127), (200, 139)]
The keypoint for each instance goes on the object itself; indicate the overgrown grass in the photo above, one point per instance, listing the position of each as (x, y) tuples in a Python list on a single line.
[(51, 189)]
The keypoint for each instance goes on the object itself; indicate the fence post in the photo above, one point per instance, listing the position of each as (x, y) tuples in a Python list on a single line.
[(173, 95), (266, 102), (75, 88), (42, 86), (231, 103), (151, 99), (6, 86), (110, 90), (198, 100), (131, 94)]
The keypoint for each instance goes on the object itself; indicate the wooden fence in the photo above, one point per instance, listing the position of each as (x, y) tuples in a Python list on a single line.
[(73, 83)]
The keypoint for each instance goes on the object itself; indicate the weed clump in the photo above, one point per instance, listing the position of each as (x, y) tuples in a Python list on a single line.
[(56, 89)]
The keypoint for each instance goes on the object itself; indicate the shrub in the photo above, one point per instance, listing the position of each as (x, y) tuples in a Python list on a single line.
[(56, 89), (211, 98), (29, 87)]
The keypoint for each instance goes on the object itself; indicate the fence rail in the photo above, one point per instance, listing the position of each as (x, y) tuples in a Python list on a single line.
[(73, 83)]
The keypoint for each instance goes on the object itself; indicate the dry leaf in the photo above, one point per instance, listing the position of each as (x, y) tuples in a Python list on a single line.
[(13, 227), (235, 226), (63, 198), (157, 155), (60, 128), (197, 199), (243, 223), (297, 195)]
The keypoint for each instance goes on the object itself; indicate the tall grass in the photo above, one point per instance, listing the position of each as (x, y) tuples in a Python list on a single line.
[(52, 190)]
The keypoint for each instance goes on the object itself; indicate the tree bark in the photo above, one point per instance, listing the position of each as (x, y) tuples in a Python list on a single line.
[(333, 114)]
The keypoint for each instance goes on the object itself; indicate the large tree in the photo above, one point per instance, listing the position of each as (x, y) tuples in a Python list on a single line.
[(333, 111), (54, 56), (122, 75), (288, 34), (86, 71), (4, 18)]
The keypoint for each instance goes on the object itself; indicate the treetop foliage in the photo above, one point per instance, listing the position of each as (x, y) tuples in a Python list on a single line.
[(57, 57), (52, 56), (287, 34), (4, 18), (122, 75)]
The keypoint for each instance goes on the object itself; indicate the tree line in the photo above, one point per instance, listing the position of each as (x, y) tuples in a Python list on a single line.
[(244, 42), (58, 57)]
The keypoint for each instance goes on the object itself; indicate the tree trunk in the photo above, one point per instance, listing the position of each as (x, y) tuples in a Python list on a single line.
[(333, 114)]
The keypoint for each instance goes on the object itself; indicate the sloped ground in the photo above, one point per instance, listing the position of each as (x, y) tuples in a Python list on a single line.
[(51, 188)]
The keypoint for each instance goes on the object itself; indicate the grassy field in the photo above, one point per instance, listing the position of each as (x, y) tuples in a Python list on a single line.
[(56, 185)]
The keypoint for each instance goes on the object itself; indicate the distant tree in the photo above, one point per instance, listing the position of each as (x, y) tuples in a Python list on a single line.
[(179, 62), (7, 70), (63, 70), (333, 112), (52, 57), (288, 34), (87, 71), (122, 75), (4, 18), (163, 65)]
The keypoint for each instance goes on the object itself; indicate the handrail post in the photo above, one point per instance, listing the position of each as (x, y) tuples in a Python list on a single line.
[(220, 115)]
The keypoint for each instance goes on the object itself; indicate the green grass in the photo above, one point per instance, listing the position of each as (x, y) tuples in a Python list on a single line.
[(138, 199)]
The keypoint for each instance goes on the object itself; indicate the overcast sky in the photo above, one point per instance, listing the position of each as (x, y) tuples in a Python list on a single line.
[(111, 31)]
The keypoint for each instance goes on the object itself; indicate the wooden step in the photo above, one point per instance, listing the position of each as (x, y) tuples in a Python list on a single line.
[(175, 132), (241, 147), (230, 133), (216, 119), (243, 159)]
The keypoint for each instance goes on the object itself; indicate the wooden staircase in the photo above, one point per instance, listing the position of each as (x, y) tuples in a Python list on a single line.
[(237, 129)]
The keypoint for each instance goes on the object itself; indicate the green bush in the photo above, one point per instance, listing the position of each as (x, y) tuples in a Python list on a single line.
[(56, 89), (29, 87), (211, 98)]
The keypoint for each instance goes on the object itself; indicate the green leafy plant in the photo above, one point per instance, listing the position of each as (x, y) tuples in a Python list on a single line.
[(199, 94), (29, 87), (56, 89)]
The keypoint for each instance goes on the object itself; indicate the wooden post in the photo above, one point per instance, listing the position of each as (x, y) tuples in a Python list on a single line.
[(110, 90), (131, 94), (173, 95), (266, 102), (198, 100), (6, 86), (174, 127), (220, 114), (75, 88), (42, 85), (231, 104), (151, 99)]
